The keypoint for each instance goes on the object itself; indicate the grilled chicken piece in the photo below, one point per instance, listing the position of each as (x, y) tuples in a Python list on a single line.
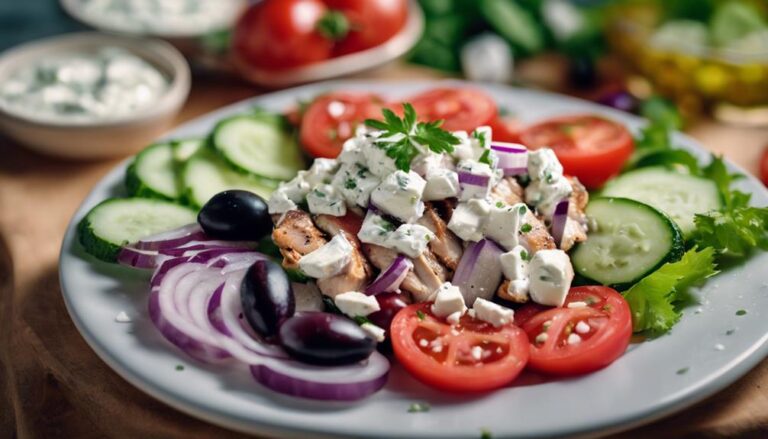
[(420, 288), (509, 191), (445, 208), (430, 272), (576, 223), (359, 271), (446, 246), (504, 293), (296, 236)]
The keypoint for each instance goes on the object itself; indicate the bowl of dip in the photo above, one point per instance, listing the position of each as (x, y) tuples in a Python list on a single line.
[(91, 95)]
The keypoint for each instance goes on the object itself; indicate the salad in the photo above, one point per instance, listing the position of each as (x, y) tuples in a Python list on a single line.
[(419, 235)]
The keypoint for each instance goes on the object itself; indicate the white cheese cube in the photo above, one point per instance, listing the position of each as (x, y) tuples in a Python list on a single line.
[(376, 332), (375, 229), (441, 184), (464, 150), (514, 263), (321, 171), (356, 183), (448, 300), (503, 225), (543, 165), (352, 151), (545, 194), (492, 313), (328, 260), (468, 219), (376, 158), (399, 195), (287, 195), (410, 239), (426, 161), (482, 136), (475, 179), (325, 199), (550, 273), (356, 304)]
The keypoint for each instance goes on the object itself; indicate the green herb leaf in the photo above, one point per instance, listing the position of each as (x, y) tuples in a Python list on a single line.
[(419, 407), (485, 157), (653, 300), (361, 320), (409, 134), (420, 314)]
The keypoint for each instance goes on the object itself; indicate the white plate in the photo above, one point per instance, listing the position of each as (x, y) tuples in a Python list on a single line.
[(641, 386)]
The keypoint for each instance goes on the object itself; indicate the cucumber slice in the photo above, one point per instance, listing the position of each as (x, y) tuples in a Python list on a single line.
[(627, 240), (151, 174), (206, 174), (258, 144), (184, 149), (119, 221), (681, 196)]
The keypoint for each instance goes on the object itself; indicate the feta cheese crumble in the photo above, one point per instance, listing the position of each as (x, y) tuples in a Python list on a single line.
[(399, 195), (468, 219), (551, 274), (448, 301), (492, 313), (328, 260), (410, 239), (376, 332), (355, 304), (122, 317)]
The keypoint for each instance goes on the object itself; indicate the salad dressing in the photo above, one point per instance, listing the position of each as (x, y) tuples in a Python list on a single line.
[(82, 86)]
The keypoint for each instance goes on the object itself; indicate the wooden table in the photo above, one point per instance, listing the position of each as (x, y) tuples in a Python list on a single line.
[(53, 385)]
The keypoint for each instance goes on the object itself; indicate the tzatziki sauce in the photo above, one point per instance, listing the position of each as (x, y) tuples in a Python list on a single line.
[(107, 83)]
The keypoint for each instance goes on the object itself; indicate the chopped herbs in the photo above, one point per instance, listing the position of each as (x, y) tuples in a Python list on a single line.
[(523, 209), (486, 157), (525, 228), (420, 314), (499, 204), (319, 193), (480, 136), (524, 254), (179, 367), (741, 312), (403, 137), (682, 371), (350, 183), (730, 332), (419, 407), (361, 320)]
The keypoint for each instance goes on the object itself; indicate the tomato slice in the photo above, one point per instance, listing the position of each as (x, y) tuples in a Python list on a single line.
[(602, 327), (506, 129), (590, 147), (459, 108), (471, 356), (332, 118)]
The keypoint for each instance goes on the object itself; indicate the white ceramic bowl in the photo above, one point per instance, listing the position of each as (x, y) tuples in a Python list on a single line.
[(93, 139)]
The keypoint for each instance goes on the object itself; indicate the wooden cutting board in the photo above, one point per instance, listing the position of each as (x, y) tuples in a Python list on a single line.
[(53, 385)]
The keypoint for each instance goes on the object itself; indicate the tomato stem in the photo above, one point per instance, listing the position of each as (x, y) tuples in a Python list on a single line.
[(334, 25)]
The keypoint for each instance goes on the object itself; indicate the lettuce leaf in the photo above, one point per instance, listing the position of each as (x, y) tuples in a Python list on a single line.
[(655, 300)]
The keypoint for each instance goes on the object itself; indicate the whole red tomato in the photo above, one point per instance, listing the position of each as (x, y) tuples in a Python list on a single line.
[(371, 22), (280, 34)]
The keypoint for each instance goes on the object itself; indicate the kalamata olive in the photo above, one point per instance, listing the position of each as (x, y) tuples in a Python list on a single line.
[(620, 100), (267, 297), (390, 304), (325, 339), (235, 216), (582, 72)]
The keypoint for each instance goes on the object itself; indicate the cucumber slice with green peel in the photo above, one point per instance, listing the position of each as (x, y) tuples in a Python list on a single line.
[(258, 144), (120, 221), (627, 240), (681, 196), (152, 173), (184, 149), (206, 174)]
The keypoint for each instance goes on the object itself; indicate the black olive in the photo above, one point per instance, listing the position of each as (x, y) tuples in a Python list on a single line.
[(325, 339), (267, 297), (235, 216)]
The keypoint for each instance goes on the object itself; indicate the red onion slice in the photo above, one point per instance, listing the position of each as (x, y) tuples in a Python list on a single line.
[(559, 220), (203, 245), (473, 179), (513, 157), (479, 271), (341, 383), (390, 279), (136, 258), (173, 238)]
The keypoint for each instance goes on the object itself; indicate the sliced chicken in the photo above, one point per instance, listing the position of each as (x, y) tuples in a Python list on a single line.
[(576, 223), (505, 294), (359, 271), (508, 190), (445, 246), (430, 272), (445, 208), (538, 238), (296, 236), (421, 286)]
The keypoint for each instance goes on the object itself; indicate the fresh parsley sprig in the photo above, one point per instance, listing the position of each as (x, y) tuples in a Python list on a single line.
[(402, 136)]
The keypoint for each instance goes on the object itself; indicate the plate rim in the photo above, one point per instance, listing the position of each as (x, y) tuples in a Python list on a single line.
[(702, 389)]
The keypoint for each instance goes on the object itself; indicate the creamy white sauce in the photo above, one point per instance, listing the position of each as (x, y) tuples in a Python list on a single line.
[(163, 17), (81, 86)]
